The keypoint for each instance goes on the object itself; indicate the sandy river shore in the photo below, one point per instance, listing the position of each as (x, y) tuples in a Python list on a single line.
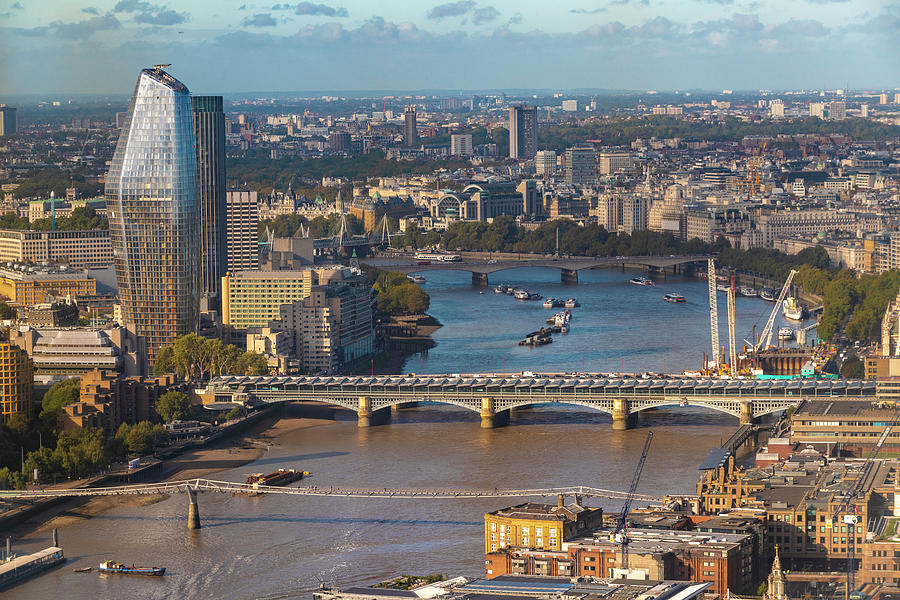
[(200, 463)]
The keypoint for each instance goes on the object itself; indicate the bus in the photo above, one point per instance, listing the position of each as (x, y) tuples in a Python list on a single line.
[(438, 256)]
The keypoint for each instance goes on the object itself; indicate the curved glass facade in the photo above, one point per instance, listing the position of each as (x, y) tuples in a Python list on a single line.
[(152, 204)]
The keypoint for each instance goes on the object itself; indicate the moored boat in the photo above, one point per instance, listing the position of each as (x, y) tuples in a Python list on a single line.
[(723, 287), (110, 566), (416, 278), (748, 292), (673, 297), (279, 477), (572, 303), (791, 309), (553, 303), (785, 333), (640, 281), (501, 289), (767, 294)]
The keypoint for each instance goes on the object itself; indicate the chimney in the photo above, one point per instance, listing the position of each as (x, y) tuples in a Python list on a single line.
[(560, 501)]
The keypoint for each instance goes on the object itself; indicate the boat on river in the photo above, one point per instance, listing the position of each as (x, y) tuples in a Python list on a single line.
[(110, 566), (723, 287), (553, 303), (640, 281), (416, 278), (673, 297), (572, 303), (767, 294), (791, 309), (785, 333), (501, 289), (280, 477), (748, 292)]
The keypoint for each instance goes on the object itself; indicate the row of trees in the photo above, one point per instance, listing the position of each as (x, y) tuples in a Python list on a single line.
[(319, 227), (193, 357), (82, 218)]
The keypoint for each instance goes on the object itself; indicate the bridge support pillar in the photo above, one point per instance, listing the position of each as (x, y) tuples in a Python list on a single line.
[(568, 275), (364, 412), (620, 414), (489, 417), (746, 412), (193, 510), (479, 279)]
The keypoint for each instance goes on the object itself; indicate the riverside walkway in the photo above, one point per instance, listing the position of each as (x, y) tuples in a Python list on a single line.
[(493, 395)]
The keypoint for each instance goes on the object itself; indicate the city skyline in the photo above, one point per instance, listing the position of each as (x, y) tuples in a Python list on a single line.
[(645, 44)]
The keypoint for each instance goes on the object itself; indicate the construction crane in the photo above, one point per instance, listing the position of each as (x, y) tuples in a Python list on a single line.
[(847, 507), (713, 313), (765, 338), (621, 533)]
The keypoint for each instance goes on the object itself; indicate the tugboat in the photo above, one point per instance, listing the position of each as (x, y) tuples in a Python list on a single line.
[(673, 297), (110, 566), (791, 309)]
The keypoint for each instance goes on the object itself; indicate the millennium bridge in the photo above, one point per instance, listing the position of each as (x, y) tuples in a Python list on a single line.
[(568, 267), (494, 395)]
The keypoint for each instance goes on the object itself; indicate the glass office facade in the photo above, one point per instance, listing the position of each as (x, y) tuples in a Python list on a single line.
[(154, 219)]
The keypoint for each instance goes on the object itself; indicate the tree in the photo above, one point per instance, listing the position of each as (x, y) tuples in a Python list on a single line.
[(165, 361), (44, 462), (234, 413), (61, 394), (853, 368), (11, 480), (81, 452), (173, 406), (6, 312), (142, 437)]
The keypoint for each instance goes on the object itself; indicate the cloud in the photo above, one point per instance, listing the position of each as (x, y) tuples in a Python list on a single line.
[(86, 28), (584, 11), (16, 6), (150, 14), (311, 9), (484, 14), (641, 2), (827, 1), (516, 19), (91, 10), (451, 9), (259, 20)]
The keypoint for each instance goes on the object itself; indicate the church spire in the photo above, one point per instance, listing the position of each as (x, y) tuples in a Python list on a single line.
[(776, 585)]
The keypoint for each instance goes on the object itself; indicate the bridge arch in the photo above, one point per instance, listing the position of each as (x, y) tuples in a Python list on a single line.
[(531, 402), (670, 404)]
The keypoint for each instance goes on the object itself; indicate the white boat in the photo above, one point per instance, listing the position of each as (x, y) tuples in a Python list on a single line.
[(767, 294), (785, 333), (500, 289), (748, 292), (791, 309), (673, 297), (553, 303), (640, 281), (562, 318), (572, 303), (416, 278), (723, 287)]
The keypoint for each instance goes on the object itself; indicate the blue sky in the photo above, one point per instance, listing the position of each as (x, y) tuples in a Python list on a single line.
[(221, 46)]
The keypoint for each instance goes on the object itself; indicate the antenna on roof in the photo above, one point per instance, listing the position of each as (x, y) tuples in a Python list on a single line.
[(162, 66)]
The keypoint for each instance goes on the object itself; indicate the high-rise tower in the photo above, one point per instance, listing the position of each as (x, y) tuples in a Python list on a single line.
[(410, 133), (151, 199), (522, 132), (209, 133)]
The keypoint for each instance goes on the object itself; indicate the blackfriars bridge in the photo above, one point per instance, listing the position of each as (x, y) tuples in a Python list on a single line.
[(568, 267), (493, 396)]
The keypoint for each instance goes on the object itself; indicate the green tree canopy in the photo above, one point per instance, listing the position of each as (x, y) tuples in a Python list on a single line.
[(173, 406), (143, 437), (61, 394)]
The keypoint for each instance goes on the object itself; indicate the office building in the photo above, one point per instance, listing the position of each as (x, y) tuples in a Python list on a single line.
[(16, 383), (410, 132), (612, 162), (883, 98), (241, 230), (209, 134), (253, 298), (570, 105), (483, 201), (776, 108), (75, 248), (51, 314), (581, 165), (27, 286), (8, 123), (622, 212), (897, 98), (864, 111), (151, 194), (817, 109), (523, 127), (837, 110), (538, 526), (545, 163), (461, 144), (72, 351), (339, 141)]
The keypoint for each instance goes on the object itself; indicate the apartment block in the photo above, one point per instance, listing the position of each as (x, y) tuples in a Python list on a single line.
[(77, 249), (241, 230), (253, 298)]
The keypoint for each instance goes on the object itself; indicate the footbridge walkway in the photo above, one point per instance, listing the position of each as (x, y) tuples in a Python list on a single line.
[(568, 267), (493, 395)]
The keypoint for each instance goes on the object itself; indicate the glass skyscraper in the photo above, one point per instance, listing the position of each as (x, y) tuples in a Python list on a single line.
[(153, 209)]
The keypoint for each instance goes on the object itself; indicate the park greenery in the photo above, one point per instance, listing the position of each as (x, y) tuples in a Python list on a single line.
[(397, 295), (78, 453), (319, 227), (173, 406), (195, 357), (60, 394), (142, 437), (40, 182), (82, 218)]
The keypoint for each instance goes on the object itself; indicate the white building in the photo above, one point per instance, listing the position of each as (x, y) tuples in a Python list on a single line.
[(570, 105), (461, 144), (545, 163), (612, 162)]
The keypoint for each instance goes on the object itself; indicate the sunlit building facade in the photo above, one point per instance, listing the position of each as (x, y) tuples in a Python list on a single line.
[(153, 210)]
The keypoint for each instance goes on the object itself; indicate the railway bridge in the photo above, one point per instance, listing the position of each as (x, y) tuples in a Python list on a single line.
[(492, 396), (568, 267)]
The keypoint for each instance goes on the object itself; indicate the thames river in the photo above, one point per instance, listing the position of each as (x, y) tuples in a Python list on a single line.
[(282, 547)]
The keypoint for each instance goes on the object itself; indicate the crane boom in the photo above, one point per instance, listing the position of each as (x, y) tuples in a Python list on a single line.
[(765, 337), (621, 533), (713, 313)]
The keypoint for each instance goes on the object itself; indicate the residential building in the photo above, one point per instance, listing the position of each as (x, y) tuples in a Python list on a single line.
[(622, 212), (209, 134), (27, 286), (883, 98), (817, 109), (8, 123), (107, 400), (51, 314), (581, 164), (76, 248), (570, 105), (545, 163), (151, 193), (538, 526), (523, 126), (666, 215), (837, 110), (16, 383), (461, 144), (610, 162), (253, 298), (410, 130), (776, 108), (241, 230)]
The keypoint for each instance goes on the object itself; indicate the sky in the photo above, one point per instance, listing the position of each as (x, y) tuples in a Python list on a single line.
[(225, 46)]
